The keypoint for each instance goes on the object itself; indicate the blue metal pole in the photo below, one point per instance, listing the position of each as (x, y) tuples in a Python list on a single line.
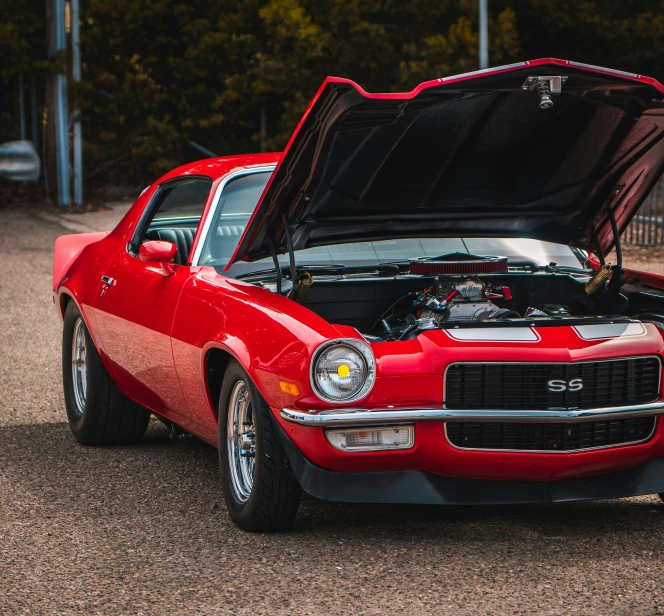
[(484, 34), (76, 76), (61, 108)]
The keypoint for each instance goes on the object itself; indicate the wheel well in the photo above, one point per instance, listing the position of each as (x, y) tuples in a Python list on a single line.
[(64, 302), (215, 367)]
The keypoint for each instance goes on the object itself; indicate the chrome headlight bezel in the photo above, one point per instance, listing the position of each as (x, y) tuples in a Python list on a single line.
[(365, 353)]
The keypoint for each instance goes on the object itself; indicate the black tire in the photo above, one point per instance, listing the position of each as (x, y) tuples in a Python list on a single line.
[(104, 416), (272, 501)]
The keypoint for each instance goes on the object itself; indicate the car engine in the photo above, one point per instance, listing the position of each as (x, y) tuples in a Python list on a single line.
[(459, 295), (463, 299)]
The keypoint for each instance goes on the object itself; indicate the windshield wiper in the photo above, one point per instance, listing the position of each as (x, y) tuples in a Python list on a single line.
[(259, 273), (551, 267), (392, 269), (285, 270), (524, 264), (389, 269)]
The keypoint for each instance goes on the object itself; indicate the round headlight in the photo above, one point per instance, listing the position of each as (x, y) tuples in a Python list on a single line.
[(343, 370)]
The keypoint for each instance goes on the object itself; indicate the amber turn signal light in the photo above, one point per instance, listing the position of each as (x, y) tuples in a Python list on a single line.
[(289, 388)]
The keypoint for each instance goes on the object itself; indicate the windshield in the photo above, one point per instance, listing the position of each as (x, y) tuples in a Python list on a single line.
[(240, 196)]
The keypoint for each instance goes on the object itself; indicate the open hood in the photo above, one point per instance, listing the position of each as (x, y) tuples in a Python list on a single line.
[(476, 155)]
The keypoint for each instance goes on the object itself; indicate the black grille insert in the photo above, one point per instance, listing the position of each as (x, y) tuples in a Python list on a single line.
[(549, 436), (524, 386)]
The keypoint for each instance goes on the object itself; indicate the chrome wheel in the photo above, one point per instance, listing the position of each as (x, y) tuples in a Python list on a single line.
[(79, 365), (241, 442)]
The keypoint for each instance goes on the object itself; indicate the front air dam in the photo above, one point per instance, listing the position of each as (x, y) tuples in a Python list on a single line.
[(425, 488)]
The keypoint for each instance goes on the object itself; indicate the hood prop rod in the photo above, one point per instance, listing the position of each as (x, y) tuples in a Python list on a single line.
[(616, 238), (277, 267), (616, 235), (608, 281), (612, 301), (291, 258), (598, 247)]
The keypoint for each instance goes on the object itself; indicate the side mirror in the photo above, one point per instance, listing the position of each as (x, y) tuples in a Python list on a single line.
[(593, 261), (156, 251), (19, 161)]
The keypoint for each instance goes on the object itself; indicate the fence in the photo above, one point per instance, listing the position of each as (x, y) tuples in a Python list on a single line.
[(647, 227)]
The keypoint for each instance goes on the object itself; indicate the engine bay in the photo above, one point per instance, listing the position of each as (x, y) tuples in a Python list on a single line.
[(455, 300), (393, 302)]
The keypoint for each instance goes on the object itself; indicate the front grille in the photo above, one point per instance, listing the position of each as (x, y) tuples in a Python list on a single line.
[(549, 437), (523, 386)]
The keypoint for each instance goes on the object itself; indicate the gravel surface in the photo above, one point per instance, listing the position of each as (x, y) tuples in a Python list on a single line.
[(646, 259), (143, 530)]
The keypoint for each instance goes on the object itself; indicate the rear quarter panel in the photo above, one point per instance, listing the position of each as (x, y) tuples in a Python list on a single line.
[(80, 260), (80, 280), (67, 249)]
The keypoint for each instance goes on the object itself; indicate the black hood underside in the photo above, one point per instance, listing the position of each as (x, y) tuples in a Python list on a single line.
[(477, 157)]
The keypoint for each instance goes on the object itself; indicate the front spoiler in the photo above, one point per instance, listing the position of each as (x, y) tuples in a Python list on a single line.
[(424, 488), (345, 418)]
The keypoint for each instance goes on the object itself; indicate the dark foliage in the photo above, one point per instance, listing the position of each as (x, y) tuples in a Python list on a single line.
[(235, 76)]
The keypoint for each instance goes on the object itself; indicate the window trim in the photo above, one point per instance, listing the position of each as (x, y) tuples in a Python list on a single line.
[(150, 209), (234, 175)]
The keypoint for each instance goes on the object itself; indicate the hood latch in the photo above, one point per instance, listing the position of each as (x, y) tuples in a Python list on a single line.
[(545, 86)]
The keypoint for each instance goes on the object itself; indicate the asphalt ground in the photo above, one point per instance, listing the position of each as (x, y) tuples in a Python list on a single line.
[(143, 529)]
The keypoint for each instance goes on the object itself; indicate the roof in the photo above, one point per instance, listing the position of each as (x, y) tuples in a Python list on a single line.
[(221, 166)]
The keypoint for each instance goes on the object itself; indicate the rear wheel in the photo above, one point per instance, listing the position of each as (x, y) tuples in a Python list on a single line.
[(260, 489), (98, 412)]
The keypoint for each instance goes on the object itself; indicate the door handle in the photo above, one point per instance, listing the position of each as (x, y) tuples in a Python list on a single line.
[(106, 283)]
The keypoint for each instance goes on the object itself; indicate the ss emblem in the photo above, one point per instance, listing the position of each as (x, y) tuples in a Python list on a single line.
[(556, 385)]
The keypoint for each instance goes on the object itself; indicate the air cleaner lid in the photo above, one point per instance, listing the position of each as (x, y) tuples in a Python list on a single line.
[(459, 263)]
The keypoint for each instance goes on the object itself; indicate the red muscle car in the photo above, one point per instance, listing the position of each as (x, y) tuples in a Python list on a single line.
[(413, 303)]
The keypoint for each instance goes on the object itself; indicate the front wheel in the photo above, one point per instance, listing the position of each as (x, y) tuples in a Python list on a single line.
[(98, 412), (260, 489)]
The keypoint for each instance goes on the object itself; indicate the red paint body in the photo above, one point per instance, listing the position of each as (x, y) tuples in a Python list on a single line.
[(154, 333)]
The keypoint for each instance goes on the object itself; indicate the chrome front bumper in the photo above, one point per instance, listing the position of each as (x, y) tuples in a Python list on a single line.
[(341, 418)]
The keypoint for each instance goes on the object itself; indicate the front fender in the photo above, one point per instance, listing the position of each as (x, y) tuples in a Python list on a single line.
[(272, 337)]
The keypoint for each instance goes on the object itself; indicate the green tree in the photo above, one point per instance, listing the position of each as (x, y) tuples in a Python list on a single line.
[(236, 75), (626, 35), (23, 50)]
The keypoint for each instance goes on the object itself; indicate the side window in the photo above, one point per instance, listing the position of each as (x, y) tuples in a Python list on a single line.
[(175, 214)]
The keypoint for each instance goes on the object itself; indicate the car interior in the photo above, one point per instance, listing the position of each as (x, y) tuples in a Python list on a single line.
[(177, 212)]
